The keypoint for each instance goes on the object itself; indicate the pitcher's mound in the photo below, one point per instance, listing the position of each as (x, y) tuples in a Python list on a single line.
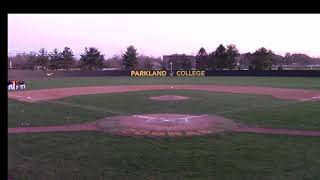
[(169, 98), (166, 124)]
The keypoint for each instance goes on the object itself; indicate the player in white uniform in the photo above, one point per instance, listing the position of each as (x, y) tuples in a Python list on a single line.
[(22, 84), (10, 85), (13, 85)]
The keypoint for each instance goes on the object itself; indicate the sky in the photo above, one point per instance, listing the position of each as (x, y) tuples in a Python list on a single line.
[(163, 34)]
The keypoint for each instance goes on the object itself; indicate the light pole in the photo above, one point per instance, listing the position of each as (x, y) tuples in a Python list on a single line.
[(171, 72)]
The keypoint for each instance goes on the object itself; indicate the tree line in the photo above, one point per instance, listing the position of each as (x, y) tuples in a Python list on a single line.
[(90, 59), (223, 57)]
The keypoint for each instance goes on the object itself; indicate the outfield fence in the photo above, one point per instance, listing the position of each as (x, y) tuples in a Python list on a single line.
[(29, 74)]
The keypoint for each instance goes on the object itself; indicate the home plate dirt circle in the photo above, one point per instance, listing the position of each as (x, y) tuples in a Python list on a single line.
[(169, 98), (166, 125)]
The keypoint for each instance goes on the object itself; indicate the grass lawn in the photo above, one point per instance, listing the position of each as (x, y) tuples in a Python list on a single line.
[(224, 157), (284, 82), (230, 156)]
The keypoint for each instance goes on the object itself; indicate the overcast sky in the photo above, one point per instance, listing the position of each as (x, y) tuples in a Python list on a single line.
[(160, 34)]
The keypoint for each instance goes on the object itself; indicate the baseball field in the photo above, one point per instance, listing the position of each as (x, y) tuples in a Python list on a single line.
[(257, 128)]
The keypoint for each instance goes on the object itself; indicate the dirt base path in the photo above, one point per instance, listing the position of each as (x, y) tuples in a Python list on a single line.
[(277, 131), (50, 94), (163, 125), (93, 127)]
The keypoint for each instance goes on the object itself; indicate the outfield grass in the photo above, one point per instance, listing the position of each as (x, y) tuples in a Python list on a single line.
[(85, 155), (264, 111), (284, 82)]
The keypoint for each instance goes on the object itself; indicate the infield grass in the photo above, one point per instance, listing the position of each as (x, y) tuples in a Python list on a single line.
[(264, 111)]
